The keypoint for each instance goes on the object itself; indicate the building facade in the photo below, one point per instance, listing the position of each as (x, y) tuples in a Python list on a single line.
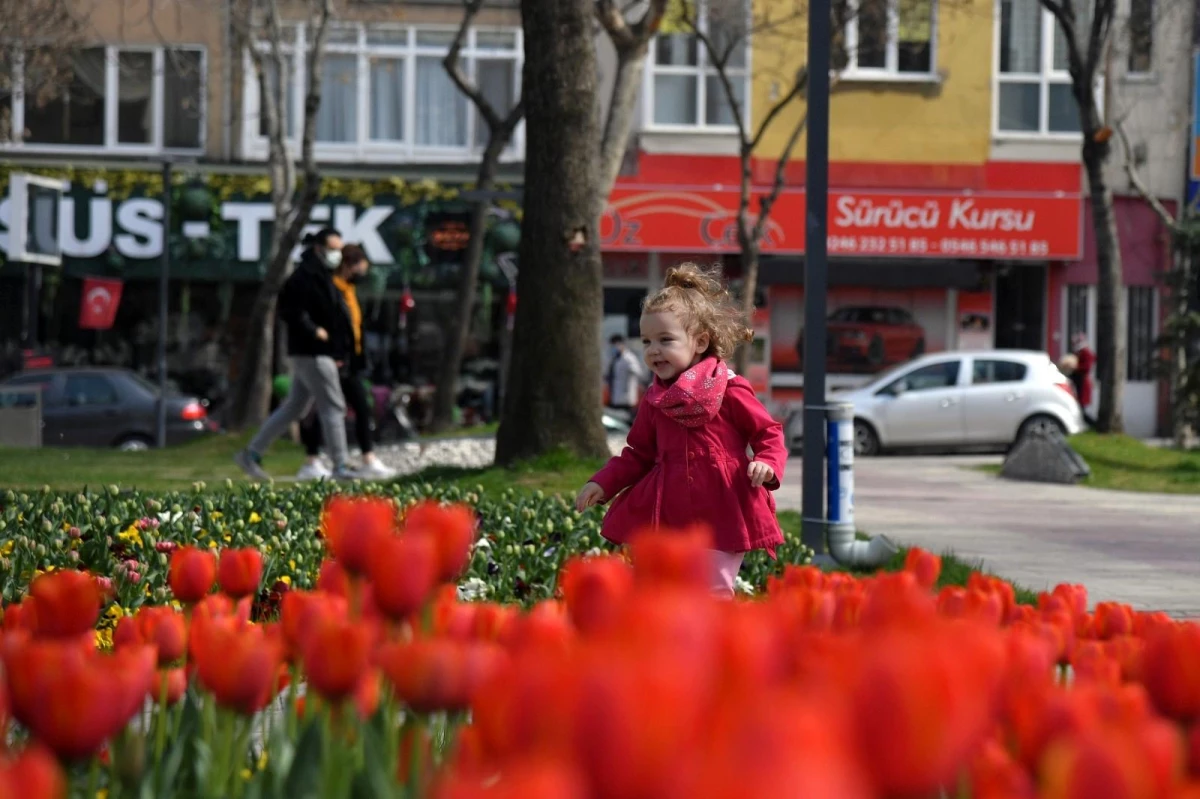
[(958, 214)]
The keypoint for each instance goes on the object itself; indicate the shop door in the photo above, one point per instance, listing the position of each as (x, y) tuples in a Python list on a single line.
[(1021, 307)]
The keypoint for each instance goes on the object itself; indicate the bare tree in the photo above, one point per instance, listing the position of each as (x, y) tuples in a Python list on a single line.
[(630, 27), (500, 131), (259, 30), (39, 37), (1086, 27), (725, 34), (553, 395)]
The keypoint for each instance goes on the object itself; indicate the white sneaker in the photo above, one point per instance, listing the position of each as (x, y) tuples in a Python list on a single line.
[(376, 470), (313, 470)]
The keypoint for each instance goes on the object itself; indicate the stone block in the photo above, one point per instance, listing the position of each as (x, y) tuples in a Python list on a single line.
[(1044, 458)]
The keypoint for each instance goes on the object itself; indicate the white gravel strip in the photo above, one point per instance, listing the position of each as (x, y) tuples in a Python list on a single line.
[(467, 453)]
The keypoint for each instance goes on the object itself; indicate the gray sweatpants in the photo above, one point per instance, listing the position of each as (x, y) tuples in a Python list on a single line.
[(313, 380)]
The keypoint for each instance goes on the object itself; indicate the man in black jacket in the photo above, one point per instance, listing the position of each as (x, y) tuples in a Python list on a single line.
[(320, 343)]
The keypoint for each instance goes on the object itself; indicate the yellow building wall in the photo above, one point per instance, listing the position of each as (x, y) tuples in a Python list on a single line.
[(945, 119)]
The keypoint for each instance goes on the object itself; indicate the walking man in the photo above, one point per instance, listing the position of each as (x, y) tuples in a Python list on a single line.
[(320, 343), (625, 376)]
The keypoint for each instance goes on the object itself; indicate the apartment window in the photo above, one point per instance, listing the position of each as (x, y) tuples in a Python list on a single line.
[(1034, 93), (138, 99), (385, 93), (1078, 312), (1140, 350), (685, 87), (880, 38), (1141, 37)]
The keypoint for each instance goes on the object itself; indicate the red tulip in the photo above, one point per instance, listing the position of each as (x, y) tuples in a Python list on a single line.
[(923, 565), (403, 572), (1113, 619), (192, 574), (333, 579), (452, 529), (3, 705), (592, 588), (1169, 670), (32, 774), (353, 525), (238, 663), (174, 682), (531, 779), (74, 700), (240, 572), (680, 558), (164, 628), (336, 655), (1113, 762), (438, 674), (66, 603), (301, 612)]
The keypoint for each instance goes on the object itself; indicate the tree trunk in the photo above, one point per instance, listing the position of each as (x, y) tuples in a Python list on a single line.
[(741, 359), (447, 384), (252, 390), (1111, 318), (622, 108), (553, 399)]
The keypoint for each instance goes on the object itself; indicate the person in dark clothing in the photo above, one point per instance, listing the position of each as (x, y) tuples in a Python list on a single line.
[(320, 344), (353, 269)]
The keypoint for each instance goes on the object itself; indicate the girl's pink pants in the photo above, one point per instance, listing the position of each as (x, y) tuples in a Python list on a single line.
[(725, 569)]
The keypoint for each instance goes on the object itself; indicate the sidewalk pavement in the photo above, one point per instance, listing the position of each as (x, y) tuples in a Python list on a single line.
[(1143, 549)]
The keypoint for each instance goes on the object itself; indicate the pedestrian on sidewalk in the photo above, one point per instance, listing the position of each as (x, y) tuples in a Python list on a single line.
[(686, 462), (352, 271), (320, 343), (1085, 361), (624, 377)]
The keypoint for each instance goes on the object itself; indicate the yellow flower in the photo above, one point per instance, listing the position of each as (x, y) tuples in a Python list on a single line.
[(131, 534), (104, 640), (65, 527), (212, 544), (254, 517), (262, 760), (228, 538), (292, 564), (115, 612), (285, 580), (7, 548), (102, 793), (246, 774), (175, 604), (215, 514)]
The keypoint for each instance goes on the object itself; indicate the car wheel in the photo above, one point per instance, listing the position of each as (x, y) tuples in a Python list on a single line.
[(876, 352), (1042, 424), (866, 440), (919, 349), (134, 444)]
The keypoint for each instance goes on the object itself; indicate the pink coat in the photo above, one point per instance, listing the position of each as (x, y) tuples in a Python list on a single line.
[(676, 475)]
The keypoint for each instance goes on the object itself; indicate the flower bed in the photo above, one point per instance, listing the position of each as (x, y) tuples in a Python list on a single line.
[(127, 537), (638, 684)]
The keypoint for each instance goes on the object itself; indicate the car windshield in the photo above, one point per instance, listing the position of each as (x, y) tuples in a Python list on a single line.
[(884, 377), (151, 386)]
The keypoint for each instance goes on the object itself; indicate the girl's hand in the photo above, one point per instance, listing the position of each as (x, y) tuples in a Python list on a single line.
[(591, 494), (760, 474)]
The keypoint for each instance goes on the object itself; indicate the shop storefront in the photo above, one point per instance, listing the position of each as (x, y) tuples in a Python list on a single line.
[(414, 236), (912, 270)]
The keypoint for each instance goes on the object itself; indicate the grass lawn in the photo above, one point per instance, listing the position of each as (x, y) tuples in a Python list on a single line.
[(70, 469), (1122, 463)]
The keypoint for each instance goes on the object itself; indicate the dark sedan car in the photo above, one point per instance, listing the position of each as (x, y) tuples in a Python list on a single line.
[(104, 407)]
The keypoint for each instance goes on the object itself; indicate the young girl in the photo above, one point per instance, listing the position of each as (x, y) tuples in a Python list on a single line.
[(686, 459)]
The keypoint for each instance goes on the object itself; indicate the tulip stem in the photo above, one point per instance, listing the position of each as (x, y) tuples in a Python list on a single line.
[(161, 719), (93, 783), (414, 764)]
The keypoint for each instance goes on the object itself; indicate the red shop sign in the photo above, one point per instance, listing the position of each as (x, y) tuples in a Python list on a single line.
[(934, 225)]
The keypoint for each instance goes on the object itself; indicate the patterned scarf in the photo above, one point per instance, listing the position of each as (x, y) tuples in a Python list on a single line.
[(695, 398)]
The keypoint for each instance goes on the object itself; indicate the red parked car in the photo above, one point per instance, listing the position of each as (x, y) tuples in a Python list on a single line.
[(869, 338)]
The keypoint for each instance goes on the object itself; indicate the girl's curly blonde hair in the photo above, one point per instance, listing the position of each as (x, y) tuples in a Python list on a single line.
[(705, 305)]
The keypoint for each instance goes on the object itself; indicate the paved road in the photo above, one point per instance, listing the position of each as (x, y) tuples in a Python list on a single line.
[(1143, 549)]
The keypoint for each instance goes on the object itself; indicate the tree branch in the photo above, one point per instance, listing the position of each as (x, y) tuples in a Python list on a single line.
[(721, 65), (799, 85), (1139, 185), (768, 202), (453, 66), (615, 24)]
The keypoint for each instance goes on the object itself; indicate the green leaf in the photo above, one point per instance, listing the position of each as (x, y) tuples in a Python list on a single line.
[(302, 777)]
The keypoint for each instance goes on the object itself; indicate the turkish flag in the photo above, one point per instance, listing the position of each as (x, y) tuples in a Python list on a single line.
[(98, 309)]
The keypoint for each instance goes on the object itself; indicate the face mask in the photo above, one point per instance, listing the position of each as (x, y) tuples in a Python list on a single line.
[(333, 258)]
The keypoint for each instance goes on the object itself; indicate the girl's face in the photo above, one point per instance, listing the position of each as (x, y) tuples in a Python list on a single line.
[(669, 348)]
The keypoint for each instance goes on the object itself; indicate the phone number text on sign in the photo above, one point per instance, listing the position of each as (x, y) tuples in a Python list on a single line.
[(922, 245)]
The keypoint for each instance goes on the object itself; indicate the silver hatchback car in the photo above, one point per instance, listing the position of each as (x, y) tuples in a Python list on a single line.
[(957, 400)]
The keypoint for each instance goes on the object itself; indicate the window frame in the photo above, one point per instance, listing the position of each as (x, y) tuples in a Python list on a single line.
[(365, 148), (890, 71), (1046, 77), (111, 143), (1147, 74), (702, 71)]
